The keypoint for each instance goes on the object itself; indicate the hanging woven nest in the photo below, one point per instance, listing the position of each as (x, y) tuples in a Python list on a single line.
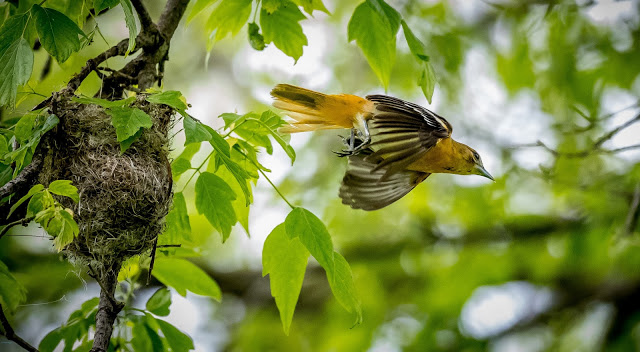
[(124, 197)]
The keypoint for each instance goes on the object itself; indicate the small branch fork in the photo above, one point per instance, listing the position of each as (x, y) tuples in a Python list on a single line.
[(10, 334), (596, 147)]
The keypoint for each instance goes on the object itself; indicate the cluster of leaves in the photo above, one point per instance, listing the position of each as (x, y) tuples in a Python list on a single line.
[(374, 26), (49, 213), (26, 134), (59, 33)]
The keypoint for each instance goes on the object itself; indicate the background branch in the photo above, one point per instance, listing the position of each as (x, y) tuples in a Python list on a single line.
[(11, 334)]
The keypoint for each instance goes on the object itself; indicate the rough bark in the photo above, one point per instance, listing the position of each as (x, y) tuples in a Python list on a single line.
[(108, 308)]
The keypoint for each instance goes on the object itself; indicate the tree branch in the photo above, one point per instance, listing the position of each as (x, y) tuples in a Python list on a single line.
[(23, 222), (108, 308), (171, 16), (634, 212), (145, 20), (11, 334)]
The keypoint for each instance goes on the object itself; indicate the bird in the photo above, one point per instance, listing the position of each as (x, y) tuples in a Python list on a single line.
[(394, 144)]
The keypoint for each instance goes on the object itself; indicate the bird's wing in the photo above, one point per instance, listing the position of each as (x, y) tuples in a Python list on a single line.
[(363, 187), (401, 132)]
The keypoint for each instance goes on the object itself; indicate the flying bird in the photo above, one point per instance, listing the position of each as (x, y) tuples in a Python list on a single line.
[(394, 144)]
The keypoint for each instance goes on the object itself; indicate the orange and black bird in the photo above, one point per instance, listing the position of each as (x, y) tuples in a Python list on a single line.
[(394, 144)]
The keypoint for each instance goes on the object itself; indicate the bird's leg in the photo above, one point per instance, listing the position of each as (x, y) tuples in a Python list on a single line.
[(352, 148)]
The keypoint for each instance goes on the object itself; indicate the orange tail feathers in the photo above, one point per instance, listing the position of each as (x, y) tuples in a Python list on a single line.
[(311, 111)]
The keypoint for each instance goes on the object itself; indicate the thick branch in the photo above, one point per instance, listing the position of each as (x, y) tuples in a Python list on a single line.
[(23, 222), (108, 308), (170, 18), (11, 334)]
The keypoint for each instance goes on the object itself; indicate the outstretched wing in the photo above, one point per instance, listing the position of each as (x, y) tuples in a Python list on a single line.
[(401, 132), (363, 186)]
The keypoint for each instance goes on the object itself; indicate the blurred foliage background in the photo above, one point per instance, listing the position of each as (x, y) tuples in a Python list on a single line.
[(547, 258)]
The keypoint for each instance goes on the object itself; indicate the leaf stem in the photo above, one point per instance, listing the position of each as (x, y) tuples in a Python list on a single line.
[(267, 178), (234, 128), (197, 170)]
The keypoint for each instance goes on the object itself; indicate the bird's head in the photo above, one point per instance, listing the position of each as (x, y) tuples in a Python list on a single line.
[(473, 163)]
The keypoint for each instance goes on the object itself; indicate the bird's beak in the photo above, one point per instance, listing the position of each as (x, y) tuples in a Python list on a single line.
[(480, 170)]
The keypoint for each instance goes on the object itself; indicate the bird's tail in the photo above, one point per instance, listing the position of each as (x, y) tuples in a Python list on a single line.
[(311, 111)]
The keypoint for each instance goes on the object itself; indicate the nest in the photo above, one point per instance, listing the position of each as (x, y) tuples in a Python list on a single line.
[(124, 198)]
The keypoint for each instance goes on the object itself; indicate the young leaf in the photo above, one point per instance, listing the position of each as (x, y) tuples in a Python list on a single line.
[(284, 259), (223, 157), (64, 188), (213, 199), (183, 162), (178, 224), (173, 98), (185, 276), (427, 80), (159, 302), (177, 340), (16, 64), (343, 287), (282, 28), (302, 224), (58, 33), (12, 293), (128, 121), (240, 208), (374, 26), (255, 38), (229, 17), (124, 145), (194, 131), (310, 5), (66, 233), (229, 118), (130, 21)]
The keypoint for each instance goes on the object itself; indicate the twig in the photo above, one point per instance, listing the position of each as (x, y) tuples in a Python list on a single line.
[(169, 245), (23, 222), (153, 259), (11, 334), (634, 212), (143, 15)]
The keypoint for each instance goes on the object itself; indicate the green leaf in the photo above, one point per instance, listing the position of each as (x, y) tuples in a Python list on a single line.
[(173, 98), (4, 149), (124, 145), (128, 121), (67, 231), (282, 28), (159, 302), (107, 104), (273, 121), (12, 30), (99, 5), (178, 341), (213, 200), (58, 33), (311, 5), (35, 189), (223, 157), (343, 287), (130, 21), (427, 80), (229, 118), (178, 224), (51, 341), (198, 7), (302, 224), (140, 340), (16, 64), (23, 128), (185, 276), (183, 162), (240, 208), (228, 17), (255, 38), (415, 45), (374, 26), (64, 188), (284, 259), (194, 131), (12, 293)]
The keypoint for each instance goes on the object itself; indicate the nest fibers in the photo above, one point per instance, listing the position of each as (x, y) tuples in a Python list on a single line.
[(124, 198)]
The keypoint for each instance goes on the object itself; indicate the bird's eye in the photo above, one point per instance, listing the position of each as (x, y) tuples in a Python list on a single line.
[(476, 156)]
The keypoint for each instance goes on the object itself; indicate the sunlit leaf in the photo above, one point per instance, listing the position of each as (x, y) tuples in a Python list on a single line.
[(173, 98), (284, 259), (228, 17), (213, 200), (178, 224), (282, 28), (104, 102), (128, 122), (194, 131), (64, 188), (185, 276), (159, 302), (302, 224), (177, 340), (16, 63)]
